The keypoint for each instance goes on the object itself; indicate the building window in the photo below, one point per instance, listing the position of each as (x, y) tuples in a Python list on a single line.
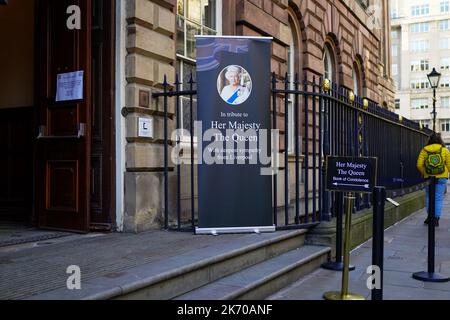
[(420, 65), (420, 45), (445, 7), (420, 103), (291, 76), (357, 79), (443, 25), (445, 125), (420, 27), (395, 50), (397, 104), (394, 34), (445, 63), (445, 102), (445, 82), (444, 43), (328, 64), (395, 69), (420, 10), (295, 67), (355, 82), (194, 17), (420, 84), (394, 13)]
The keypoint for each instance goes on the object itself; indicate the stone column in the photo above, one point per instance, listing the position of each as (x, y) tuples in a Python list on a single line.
[(150, 56)]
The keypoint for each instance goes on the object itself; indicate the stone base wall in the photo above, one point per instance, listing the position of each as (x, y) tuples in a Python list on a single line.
[(362, 223)]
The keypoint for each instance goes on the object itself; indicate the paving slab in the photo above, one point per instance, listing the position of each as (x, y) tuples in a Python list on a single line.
[(406, 248)]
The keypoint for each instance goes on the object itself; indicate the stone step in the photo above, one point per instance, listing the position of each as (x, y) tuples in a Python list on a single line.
[(175, 275), (214, 263), (263, 279)]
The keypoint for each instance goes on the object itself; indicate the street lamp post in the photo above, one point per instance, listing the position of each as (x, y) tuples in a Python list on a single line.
[(434, 77)]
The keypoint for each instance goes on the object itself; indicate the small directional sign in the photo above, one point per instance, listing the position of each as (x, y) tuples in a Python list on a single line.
[(351, 174)]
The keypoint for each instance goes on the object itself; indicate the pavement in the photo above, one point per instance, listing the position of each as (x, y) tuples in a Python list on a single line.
[(15, 234), (32, 268), (405, 252)]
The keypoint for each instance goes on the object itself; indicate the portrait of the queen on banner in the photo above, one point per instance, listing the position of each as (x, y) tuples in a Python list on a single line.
[(234, 85)]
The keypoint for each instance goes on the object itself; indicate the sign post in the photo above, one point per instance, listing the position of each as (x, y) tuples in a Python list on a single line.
[(350, 175), (338, 265)]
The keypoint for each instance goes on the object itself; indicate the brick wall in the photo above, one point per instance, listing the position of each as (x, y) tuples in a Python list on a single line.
[(343, 21)]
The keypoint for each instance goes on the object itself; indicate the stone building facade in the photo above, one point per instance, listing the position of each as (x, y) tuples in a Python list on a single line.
[(421, 42), (91, 149), (346, 40)]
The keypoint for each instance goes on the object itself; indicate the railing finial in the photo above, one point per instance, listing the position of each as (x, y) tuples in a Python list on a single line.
[(366, 103), (351, 96), (326, 86)]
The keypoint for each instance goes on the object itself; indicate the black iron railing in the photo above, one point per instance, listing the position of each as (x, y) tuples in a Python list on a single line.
[(327, 120)]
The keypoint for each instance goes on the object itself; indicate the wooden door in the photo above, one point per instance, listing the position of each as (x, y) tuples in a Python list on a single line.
[(103, 135), (63, 179)]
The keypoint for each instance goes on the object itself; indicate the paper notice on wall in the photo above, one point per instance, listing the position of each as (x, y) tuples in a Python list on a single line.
[(69, 86)]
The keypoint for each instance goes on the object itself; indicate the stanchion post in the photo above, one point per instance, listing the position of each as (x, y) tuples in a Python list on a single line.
[(339, 215), (379, 198), (344, 294), (431, 225), (431, 275), (338, 265)]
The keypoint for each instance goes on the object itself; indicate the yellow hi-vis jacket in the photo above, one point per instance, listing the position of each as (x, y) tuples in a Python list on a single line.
[(423, 156)]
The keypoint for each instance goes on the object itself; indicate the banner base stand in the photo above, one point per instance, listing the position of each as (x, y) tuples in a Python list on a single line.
[(336, 266), (339, 296), (217, 231), (430, 277)]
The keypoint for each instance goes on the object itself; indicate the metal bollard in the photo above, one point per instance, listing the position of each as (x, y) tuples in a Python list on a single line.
[(379, 198), (430, 275)]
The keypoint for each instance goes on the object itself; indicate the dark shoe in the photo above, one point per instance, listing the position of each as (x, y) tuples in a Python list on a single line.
[(426, 221)]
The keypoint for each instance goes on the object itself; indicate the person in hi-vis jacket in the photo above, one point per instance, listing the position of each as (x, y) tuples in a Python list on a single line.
[(435, 145)]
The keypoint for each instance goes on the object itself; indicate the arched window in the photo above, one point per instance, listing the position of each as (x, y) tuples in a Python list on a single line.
[(328, 62), (295, 67), (291, 58), (291, 52), (357, 79)]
